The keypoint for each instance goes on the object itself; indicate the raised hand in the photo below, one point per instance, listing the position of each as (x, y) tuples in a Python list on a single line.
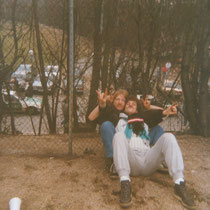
[(171, 110), (102, 98)]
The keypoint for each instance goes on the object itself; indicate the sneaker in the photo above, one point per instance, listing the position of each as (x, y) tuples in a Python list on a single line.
[(125, 194), (112, 172), (182, 194)]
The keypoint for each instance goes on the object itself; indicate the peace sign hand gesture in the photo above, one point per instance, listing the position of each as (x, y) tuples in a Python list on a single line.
[(102, 98)]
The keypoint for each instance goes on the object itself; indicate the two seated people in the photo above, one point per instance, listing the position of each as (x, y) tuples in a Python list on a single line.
[(129, 143)]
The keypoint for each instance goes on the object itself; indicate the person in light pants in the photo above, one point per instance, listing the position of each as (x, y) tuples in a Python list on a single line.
[(133, 155), (132, 161)]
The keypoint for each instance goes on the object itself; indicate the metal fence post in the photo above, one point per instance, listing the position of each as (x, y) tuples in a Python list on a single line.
[(71, 68)]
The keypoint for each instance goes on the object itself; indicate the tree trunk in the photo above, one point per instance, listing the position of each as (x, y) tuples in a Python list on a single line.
[(52, 127), (205, 74), (190, 99), (96, 58), (195, 70), (109, 32)]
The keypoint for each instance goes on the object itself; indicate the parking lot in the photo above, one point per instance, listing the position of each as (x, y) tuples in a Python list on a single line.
[(32, 124)]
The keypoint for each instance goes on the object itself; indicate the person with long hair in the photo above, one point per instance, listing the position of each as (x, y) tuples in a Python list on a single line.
[(107, 115)]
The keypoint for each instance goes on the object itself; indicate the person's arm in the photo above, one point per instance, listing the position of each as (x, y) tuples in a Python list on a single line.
[(153, 107), (154, 117), (94, 114), (102, 100), (121, 126)]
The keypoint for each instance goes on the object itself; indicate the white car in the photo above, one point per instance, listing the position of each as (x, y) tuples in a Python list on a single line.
[(177, 90), (79, 84), (37, 85), (52, 73), (23, 72), (31, 105)]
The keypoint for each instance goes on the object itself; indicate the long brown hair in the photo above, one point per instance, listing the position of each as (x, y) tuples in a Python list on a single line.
[(120, 92)]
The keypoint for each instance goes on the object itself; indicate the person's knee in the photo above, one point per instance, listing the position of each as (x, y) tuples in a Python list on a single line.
[(158, 129), (155, 133), (107, 129), (107, 125), (169, 138)]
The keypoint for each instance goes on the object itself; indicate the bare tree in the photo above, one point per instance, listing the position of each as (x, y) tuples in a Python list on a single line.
[(42, 68), (10, 57), (97, 57), (195, 66)]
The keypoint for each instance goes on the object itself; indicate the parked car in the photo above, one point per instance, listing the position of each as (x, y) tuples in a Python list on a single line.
[(37, 85), (23, 74), (31, 105), (78, 81), (177, 90), (78, 84), (23, 70), (51, 69)]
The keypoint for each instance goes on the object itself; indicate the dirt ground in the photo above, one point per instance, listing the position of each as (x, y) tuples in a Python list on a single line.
[(80, 183)]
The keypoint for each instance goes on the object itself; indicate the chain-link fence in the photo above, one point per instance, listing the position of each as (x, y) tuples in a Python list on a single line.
[(34, 73)]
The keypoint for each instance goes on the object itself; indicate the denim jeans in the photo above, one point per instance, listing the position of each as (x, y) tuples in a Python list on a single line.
[(107, 132), (155, 133)]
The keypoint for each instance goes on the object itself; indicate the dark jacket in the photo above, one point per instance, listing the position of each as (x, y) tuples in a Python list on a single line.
[(109, 113), (152, 117)]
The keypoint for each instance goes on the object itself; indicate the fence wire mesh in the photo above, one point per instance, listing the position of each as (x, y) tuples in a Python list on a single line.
[(34, 78)]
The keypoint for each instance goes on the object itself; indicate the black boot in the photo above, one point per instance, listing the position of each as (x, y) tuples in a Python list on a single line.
[(182, 194), (125, 194)]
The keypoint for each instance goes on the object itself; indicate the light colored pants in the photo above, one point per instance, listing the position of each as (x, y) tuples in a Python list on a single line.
[(130, 162), (107, 132)]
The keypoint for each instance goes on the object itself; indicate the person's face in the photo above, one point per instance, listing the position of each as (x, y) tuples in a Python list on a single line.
[(131, 107), (119, 102)]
